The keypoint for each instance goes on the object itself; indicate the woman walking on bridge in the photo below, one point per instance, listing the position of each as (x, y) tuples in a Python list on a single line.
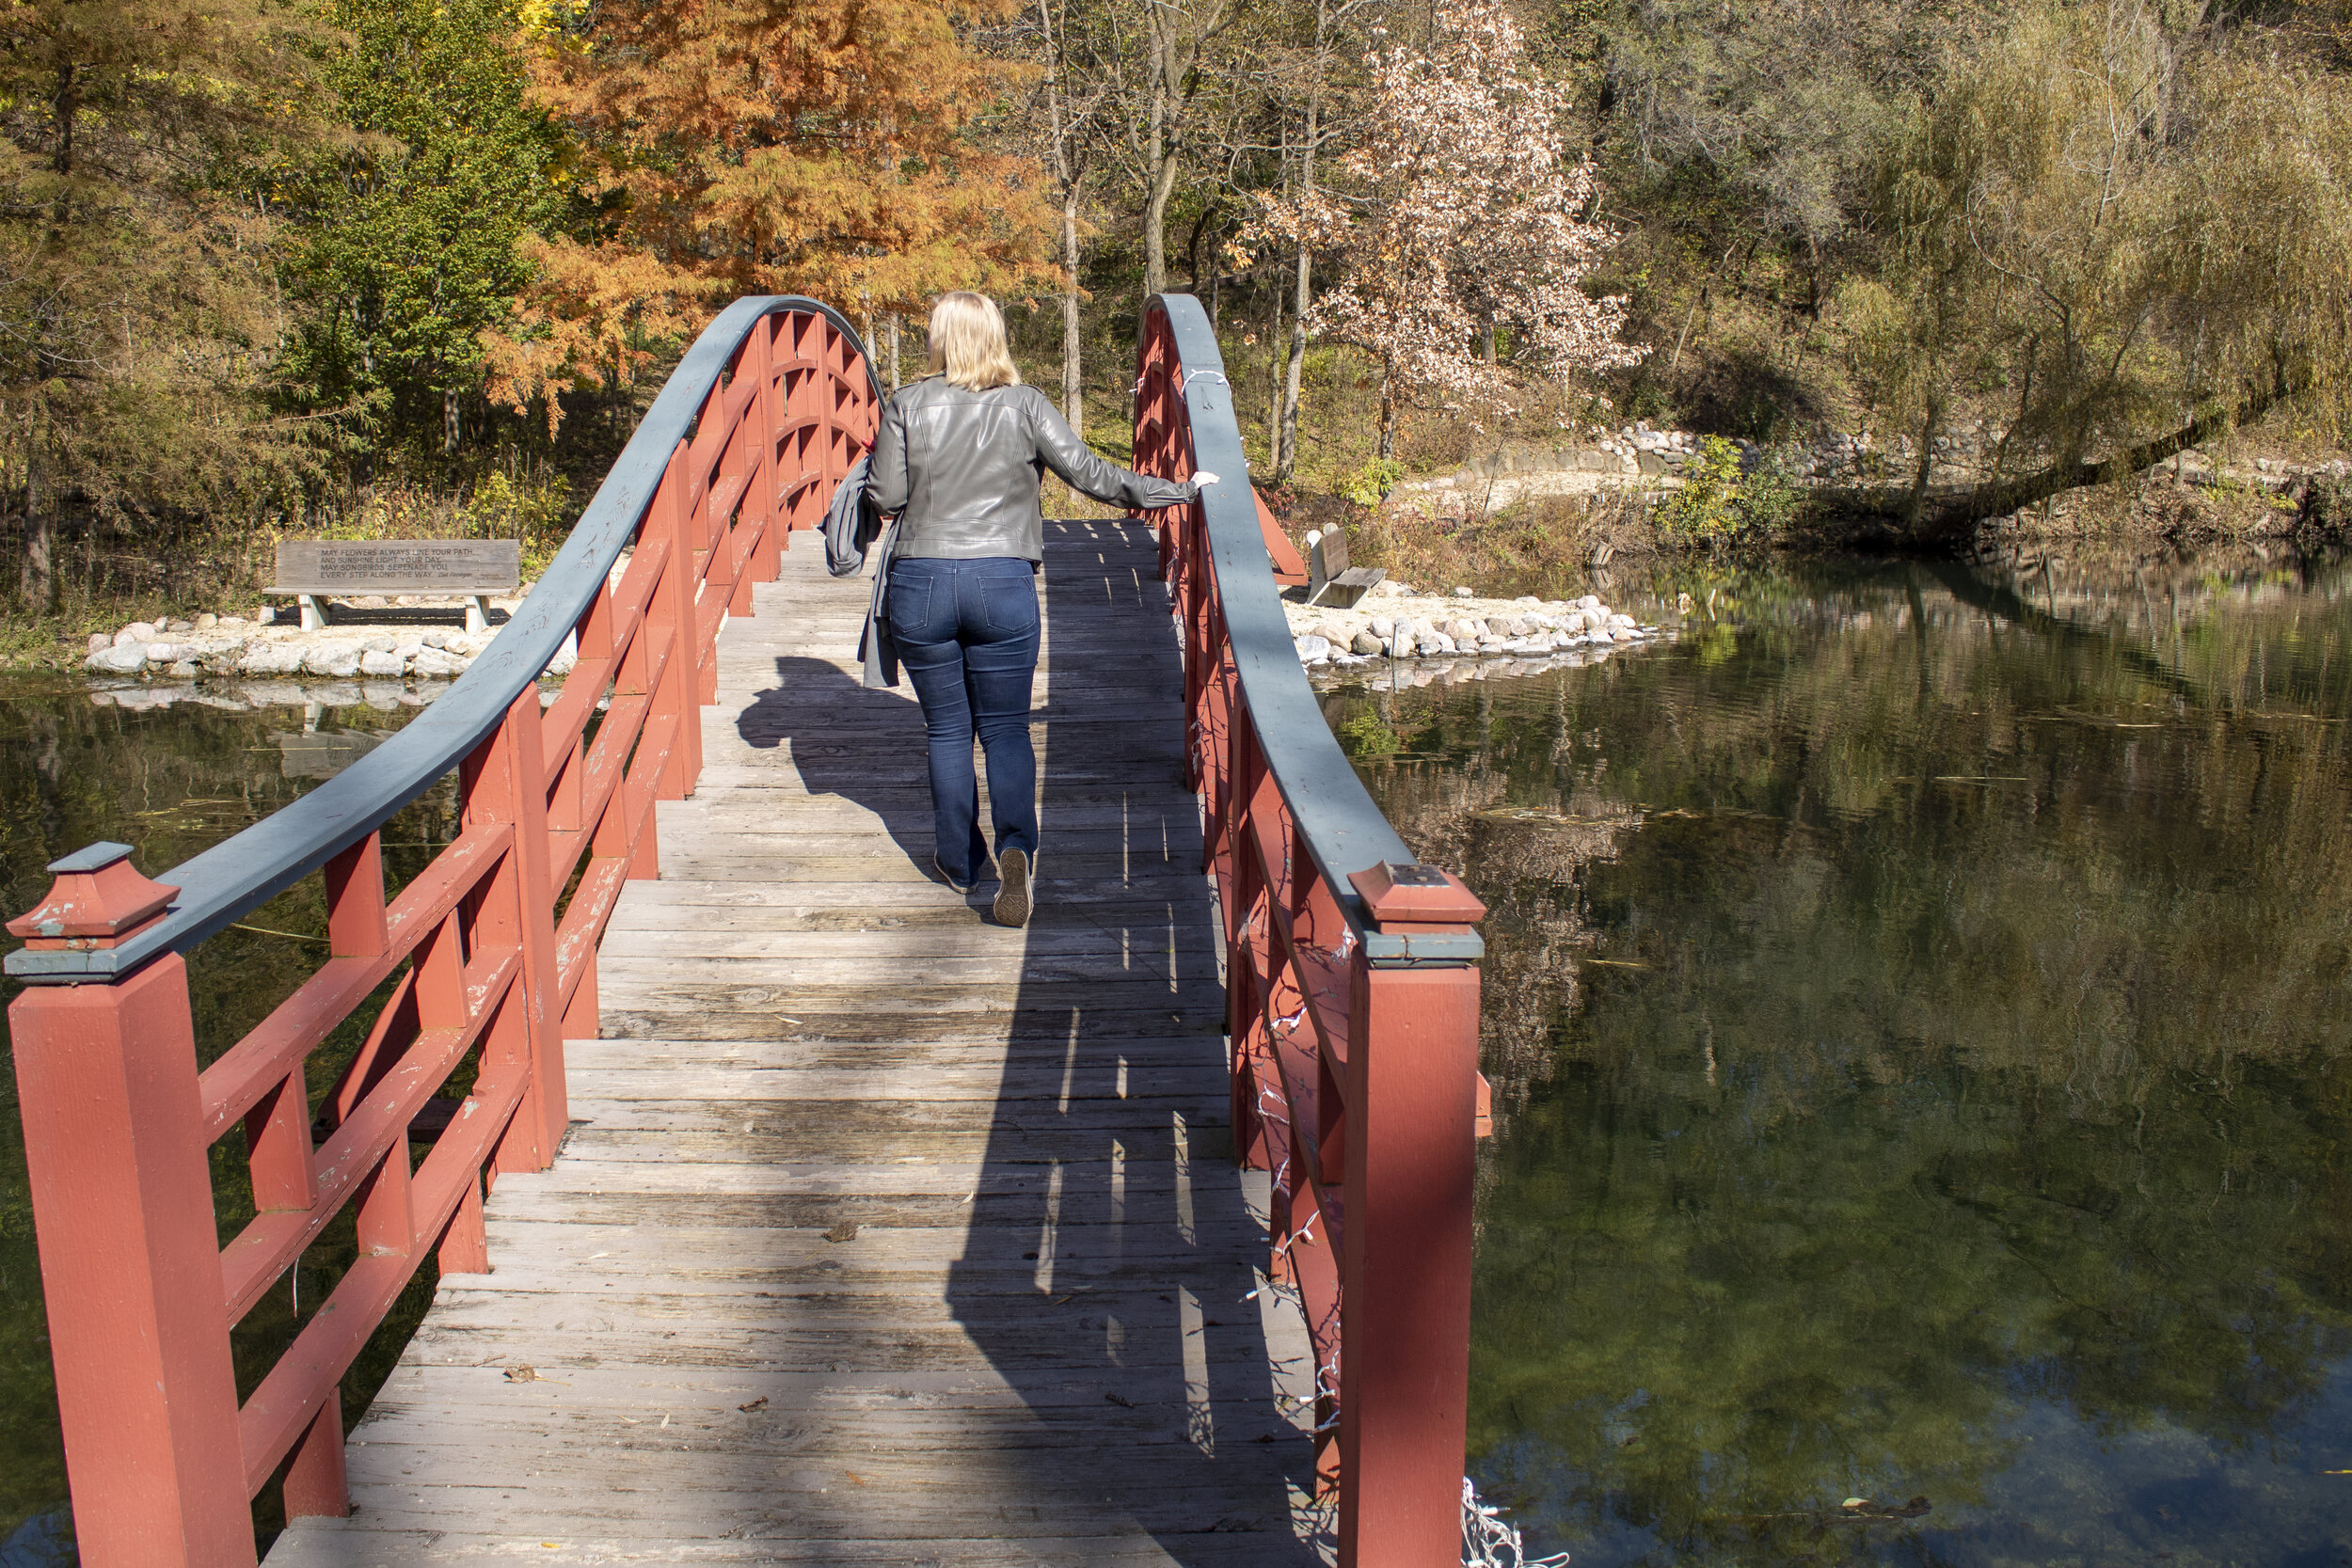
[(960, 457)]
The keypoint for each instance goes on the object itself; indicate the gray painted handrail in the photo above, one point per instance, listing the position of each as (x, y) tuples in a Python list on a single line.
[(1343, 829), (243, 872)]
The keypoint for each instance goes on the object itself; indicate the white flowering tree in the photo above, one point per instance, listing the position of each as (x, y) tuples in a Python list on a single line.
[(1470, 216)]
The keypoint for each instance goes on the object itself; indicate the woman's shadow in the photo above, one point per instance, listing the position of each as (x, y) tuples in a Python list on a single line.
[(864, 745)]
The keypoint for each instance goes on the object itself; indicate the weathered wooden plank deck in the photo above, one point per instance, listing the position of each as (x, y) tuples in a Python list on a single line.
[(1034, 1349)]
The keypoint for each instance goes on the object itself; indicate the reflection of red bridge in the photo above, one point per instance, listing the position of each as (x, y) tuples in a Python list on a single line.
[(880, 1235)]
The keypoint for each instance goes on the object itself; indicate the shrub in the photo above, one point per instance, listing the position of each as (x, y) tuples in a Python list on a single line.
[(1370, 485), (1720, 502)]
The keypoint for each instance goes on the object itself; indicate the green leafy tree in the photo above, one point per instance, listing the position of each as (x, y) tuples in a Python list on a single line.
[(409, 254)]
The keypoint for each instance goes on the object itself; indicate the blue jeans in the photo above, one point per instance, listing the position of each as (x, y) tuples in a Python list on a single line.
[(967, 634)]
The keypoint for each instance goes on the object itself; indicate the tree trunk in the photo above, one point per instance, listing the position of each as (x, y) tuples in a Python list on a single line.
[(1927, 457), (1163, 152), (38, 582), (65, 102), (1286, 454), (1387, 409), (893, 330), (1996, 500), (1066, 174), (1156, 208), (1273, 377), (1490, 344), (1072, 383), (1286, 449)]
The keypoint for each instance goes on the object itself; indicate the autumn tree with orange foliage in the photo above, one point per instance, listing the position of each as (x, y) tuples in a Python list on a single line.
[(825, 147)]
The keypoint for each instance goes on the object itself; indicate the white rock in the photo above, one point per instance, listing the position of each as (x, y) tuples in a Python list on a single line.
[(225, 623), (1312, 650), (437, 664), (435, 638), (185, 670), (98, 642), (1367, 642), (207, 621), (408, 650), (336, 660), (175, 627), (1461, 592), (382, 662), (122, 660), (163, 653), (1590, 601), (1380, 625)]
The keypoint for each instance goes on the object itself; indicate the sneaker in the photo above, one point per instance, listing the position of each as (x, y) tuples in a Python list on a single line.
[(959, 887), (1012, 898)]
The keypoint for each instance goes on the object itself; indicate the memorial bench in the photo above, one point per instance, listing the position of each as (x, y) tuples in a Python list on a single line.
[(469, 569), (1329, 573)]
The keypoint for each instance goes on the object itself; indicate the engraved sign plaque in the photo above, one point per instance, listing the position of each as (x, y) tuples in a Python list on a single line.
[(436, 566)]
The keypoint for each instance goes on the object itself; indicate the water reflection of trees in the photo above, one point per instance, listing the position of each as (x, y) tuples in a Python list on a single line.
[(1973, 1032), (172, 781)]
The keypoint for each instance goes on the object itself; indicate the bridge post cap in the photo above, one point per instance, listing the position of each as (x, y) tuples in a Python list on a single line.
[(98, 898), (1411, 894)]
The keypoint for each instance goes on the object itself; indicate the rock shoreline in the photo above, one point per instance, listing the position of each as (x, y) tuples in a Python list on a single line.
[(1393, 623), (378, 640)]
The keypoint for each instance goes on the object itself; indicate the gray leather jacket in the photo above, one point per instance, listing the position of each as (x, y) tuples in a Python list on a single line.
[(965, 466)]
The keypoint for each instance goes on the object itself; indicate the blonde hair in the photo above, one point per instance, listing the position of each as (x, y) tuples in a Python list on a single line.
[(967, 342)]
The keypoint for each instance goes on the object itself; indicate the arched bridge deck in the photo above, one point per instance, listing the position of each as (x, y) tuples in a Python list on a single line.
[(1035, 1348), (785, 1209)]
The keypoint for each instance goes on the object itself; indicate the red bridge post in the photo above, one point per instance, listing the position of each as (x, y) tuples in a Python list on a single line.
[(1412, 1106), (122, 1206)]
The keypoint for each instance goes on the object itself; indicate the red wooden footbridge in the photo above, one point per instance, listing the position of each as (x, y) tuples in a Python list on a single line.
[(782, 1209)]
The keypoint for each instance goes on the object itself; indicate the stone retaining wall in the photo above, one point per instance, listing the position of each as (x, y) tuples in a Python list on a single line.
[(1636, 456)]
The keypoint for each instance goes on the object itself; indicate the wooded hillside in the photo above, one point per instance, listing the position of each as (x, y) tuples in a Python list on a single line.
[(406, 266)]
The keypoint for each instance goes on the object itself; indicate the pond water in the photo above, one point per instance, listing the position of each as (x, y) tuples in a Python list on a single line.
[(1917, 1009), (172, 778)]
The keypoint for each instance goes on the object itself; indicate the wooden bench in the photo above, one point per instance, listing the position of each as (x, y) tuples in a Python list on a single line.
[(470, 569), (1327, 571)]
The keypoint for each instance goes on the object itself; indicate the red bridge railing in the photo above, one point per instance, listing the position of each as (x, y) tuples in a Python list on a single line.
[(1352, 996), (492, 962)]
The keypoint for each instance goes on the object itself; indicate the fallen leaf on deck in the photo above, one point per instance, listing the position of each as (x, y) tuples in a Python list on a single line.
[(531, 1374), (759, 1403), (845, 1231)]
